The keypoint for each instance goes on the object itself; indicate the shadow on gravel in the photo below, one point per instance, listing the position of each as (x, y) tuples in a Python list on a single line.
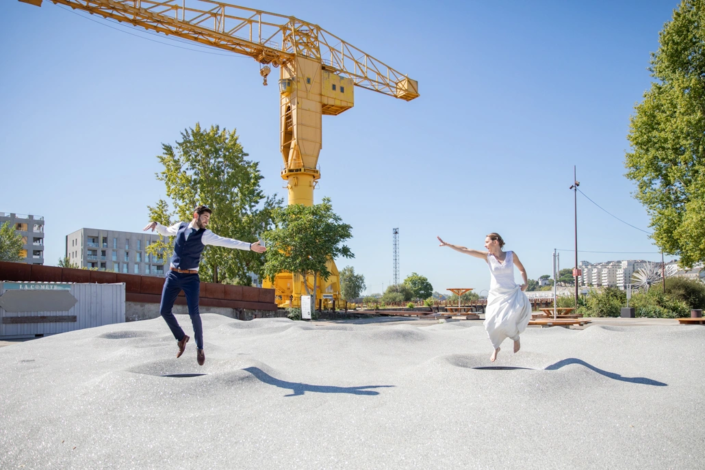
[(300, 389), (610, 375)]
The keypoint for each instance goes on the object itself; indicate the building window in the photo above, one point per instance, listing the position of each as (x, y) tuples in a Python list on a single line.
[(21, 227), (127, 256), (93, 242), (36, 254), (116, 267), (102, 266), (102, 254), (92, 255), (146, 269), (124, 268), (137, 268), (334, 87), (114, 243), (139, 245), (138, 257), (105, 242), (160, 269), (38, 228), (114, 255), (342, 89), (127, 244), (308, 80)]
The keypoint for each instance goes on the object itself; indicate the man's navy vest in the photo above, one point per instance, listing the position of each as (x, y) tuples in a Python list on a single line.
[(187, 253)]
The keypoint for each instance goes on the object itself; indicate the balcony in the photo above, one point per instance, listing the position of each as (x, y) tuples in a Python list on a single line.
[(92, 258), (92, 245)]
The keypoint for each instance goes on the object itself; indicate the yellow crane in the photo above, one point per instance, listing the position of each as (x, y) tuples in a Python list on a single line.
[(318, 73)]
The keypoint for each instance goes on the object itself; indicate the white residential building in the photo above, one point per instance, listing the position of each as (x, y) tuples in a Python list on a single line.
[(609, 273), (110, 250)]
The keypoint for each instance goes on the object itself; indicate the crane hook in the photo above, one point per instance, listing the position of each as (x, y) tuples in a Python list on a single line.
[(264, 71)]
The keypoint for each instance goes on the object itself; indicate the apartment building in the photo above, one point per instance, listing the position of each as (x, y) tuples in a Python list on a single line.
[(608, 272), (111, 250), (31, 228)]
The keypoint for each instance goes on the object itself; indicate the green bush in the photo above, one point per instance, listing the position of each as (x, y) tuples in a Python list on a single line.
[(428, 302), (410, 305), (565, 302), (690, 291), (655, 304), (607, 303), (393, 297), (295, 314)]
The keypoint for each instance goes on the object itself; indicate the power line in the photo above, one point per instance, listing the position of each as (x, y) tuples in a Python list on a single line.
[(648, 233), (152, 40)]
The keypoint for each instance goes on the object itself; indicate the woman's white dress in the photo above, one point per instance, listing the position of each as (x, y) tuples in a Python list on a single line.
[(508, 308)]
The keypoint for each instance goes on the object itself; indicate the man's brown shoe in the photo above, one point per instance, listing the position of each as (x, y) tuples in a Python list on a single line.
[(201, 357), (182, 346)]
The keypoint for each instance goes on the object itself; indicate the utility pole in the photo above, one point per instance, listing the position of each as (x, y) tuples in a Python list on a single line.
[(395, 271), (576, 272), (556, 268)]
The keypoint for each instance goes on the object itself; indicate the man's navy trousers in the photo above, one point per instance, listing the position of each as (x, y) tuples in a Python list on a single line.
[(191, 285)]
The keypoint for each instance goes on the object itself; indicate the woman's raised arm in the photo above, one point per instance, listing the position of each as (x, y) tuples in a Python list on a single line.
[(467, 251)]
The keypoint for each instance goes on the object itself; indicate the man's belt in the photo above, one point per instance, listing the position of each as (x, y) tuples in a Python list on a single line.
[(185, 271)]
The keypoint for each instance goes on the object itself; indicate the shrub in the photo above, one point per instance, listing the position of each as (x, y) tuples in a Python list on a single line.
[(410, 305), (607, 303), (428, 302), (655, 304), (295, 314), (564, 301), (690, 291), (393, 297)]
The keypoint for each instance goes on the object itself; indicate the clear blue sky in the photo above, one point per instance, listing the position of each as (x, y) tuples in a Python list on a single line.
[(513, 94)]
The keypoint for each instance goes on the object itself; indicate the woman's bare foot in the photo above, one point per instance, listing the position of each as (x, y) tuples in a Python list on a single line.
[(494, 355), (517, 346)]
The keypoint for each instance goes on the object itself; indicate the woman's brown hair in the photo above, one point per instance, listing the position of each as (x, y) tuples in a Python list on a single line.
[(496, 236)]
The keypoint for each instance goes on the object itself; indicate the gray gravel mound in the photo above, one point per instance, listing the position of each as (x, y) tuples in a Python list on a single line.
[(274, 393)]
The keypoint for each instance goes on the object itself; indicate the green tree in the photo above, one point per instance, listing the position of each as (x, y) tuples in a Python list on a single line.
[(566, 277), (545, 276), (466, 297), (10, 243), (302, 241), (65, 262), (351, 284), (667, 137), (209, 167), (419, 285), (397, 293), (532, 285)]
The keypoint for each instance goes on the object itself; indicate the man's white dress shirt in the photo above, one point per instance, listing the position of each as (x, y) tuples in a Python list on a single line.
[(208, 238)]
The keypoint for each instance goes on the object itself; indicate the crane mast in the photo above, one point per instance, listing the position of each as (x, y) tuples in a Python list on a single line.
[(318, 75)]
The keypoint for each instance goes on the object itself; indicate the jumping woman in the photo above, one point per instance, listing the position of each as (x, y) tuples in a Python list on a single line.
[(508, 308)]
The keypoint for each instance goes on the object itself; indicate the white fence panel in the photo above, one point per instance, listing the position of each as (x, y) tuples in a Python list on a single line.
[(93, 305)]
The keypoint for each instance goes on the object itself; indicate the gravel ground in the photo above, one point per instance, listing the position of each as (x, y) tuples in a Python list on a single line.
[(367, 394)]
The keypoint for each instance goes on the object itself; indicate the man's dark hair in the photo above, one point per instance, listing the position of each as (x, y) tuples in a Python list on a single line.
[(200, 210)]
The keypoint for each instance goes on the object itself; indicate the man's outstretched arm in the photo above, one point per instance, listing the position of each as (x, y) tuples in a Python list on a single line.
[(210, 238), (161, 229)]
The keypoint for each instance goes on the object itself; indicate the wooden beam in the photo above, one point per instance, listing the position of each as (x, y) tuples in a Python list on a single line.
[(40, 319)]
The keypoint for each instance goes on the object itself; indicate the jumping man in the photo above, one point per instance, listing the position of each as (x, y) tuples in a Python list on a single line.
[(183, 275)]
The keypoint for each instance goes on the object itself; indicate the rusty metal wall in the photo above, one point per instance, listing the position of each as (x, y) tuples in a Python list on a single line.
[(96, 305)]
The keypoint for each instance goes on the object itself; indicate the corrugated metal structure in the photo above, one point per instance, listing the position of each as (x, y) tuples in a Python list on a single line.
[(47, 308)]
